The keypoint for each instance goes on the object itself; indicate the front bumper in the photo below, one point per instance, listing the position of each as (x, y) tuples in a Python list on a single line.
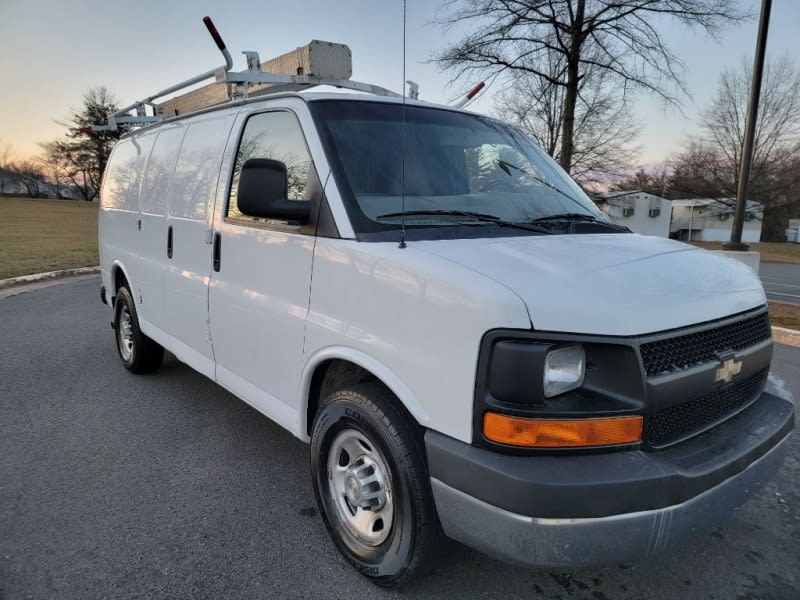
[(573, 510)]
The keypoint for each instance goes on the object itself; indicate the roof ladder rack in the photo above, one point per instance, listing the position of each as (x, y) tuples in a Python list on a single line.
[(317, 63)]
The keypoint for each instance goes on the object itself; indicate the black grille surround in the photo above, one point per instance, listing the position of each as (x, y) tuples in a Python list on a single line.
[(676, 423), (683, 351)]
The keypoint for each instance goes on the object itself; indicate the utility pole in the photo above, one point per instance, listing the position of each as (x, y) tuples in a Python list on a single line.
[(735, 242)]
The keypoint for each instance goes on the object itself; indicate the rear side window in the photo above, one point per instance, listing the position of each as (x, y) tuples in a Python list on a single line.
[(155, 188), (276, 135), (196, 172), (124, 175)]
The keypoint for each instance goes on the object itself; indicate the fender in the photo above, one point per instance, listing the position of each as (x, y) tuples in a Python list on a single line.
[(112, 291), (144, 324), (366, 362)]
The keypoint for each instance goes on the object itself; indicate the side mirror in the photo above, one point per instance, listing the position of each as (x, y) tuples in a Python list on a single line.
[(263, 189)]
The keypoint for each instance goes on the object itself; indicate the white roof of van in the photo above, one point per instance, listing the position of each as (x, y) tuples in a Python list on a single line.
[(335, 94)]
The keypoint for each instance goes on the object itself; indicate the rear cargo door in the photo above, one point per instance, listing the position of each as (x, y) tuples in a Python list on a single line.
[(187, 244), (153, 235)]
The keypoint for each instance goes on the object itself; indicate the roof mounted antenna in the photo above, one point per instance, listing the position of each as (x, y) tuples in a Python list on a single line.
[(414, 91)]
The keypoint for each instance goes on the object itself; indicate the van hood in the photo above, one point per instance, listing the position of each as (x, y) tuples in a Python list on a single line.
[(609, 284)]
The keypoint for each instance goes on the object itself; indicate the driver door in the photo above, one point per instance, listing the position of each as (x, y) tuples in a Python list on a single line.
[(260, 283)]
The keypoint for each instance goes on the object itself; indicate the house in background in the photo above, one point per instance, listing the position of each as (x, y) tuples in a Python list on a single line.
[(640, 211), (710, 220), (793, 232), (700, 219)]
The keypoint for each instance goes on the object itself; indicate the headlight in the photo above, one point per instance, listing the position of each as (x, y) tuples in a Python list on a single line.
[(564, 369)]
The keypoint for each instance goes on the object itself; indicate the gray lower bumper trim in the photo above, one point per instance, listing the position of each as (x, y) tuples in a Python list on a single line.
[(582, 542)]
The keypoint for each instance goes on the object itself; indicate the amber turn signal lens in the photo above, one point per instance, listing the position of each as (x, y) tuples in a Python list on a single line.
[(561, 433)]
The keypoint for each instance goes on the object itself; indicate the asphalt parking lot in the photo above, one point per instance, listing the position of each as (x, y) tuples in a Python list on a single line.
[(166, 486), (781, 281)]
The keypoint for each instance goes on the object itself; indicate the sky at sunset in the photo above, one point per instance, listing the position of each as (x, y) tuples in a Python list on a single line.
[(53, 51)]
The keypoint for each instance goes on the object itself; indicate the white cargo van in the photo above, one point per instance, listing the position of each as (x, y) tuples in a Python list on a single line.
[(469, 346)]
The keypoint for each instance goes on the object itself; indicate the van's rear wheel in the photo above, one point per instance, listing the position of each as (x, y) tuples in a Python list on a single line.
[(372, 485), (138, 352)]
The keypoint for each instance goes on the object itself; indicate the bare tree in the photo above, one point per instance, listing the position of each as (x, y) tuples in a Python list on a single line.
[(618, 37), (653, 181), (80, 169), (56, 168), (604, 130), (778, 127), (698, 171), (709, 165), (8, 176), (31, 177)]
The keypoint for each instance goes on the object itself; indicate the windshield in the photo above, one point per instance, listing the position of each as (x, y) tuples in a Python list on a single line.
[(455, 164)]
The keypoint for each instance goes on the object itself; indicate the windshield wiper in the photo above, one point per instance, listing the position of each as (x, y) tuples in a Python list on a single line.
[(446, 213), (505, 165), (483, 217), (569, 216), (573, 218)]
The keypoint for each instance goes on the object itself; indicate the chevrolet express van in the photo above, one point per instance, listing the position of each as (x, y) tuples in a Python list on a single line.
[(471, 349)]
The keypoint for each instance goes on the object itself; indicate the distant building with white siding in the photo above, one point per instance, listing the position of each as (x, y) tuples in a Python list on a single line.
[(710, 220), (793, 231), (640, 211)]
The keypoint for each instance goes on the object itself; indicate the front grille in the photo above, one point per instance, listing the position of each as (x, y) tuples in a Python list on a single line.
[(683, 351), (671, 425)]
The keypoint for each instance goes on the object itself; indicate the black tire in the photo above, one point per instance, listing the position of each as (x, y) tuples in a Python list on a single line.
[(138, 352), (395, 440)]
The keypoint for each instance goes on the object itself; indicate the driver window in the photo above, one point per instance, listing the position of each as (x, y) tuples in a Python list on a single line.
[(276, 135)]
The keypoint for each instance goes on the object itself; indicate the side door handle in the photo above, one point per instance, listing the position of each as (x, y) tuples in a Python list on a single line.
[(169, 241), (217, 250)]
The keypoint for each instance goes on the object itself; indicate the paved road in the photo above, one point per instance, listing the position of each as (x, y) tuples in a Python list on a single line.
[(781, 281), (165, 486)]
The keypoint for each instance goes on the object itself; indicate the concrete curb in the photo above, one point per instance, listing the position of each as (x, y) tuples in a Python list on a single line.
[(789, 337), (36, 277)]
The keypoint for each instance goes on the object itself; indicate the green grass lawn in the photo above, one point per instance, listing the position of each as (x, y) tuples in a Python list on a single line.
[(770, 251), (783, 314), (46, 235)]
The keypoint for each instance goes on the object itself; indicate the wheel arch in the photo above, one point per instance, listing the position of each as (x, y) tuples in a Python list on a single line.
[(351, 367), (119, 275)]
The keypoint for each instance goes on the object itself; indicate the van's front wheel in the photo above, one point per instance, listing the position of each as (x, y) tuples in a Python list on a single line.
[(372, 485), (138, 352)]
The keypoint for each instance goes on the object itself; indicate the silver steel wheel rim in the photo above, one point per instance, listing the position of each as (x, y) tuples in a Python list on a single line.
[(125, 333), (359, 483)]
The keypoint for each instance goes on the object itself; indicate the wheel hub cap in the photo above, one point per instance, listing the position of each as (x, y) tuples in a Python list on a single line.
[(353, 492), (125, 333), (360, 486), (365, 486)]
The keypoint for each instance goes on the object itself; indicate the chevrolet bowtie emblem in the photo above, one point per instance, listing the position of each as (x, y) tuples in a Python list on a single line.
[(730, 368)]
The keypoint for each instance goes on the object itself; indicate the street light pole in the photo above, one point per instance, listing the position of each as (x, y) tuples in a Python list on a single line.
[(735, 242)]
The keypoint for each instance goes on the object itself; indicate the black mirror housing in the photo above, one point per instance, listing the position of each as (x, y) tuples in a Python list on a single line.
[(262, 192)]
